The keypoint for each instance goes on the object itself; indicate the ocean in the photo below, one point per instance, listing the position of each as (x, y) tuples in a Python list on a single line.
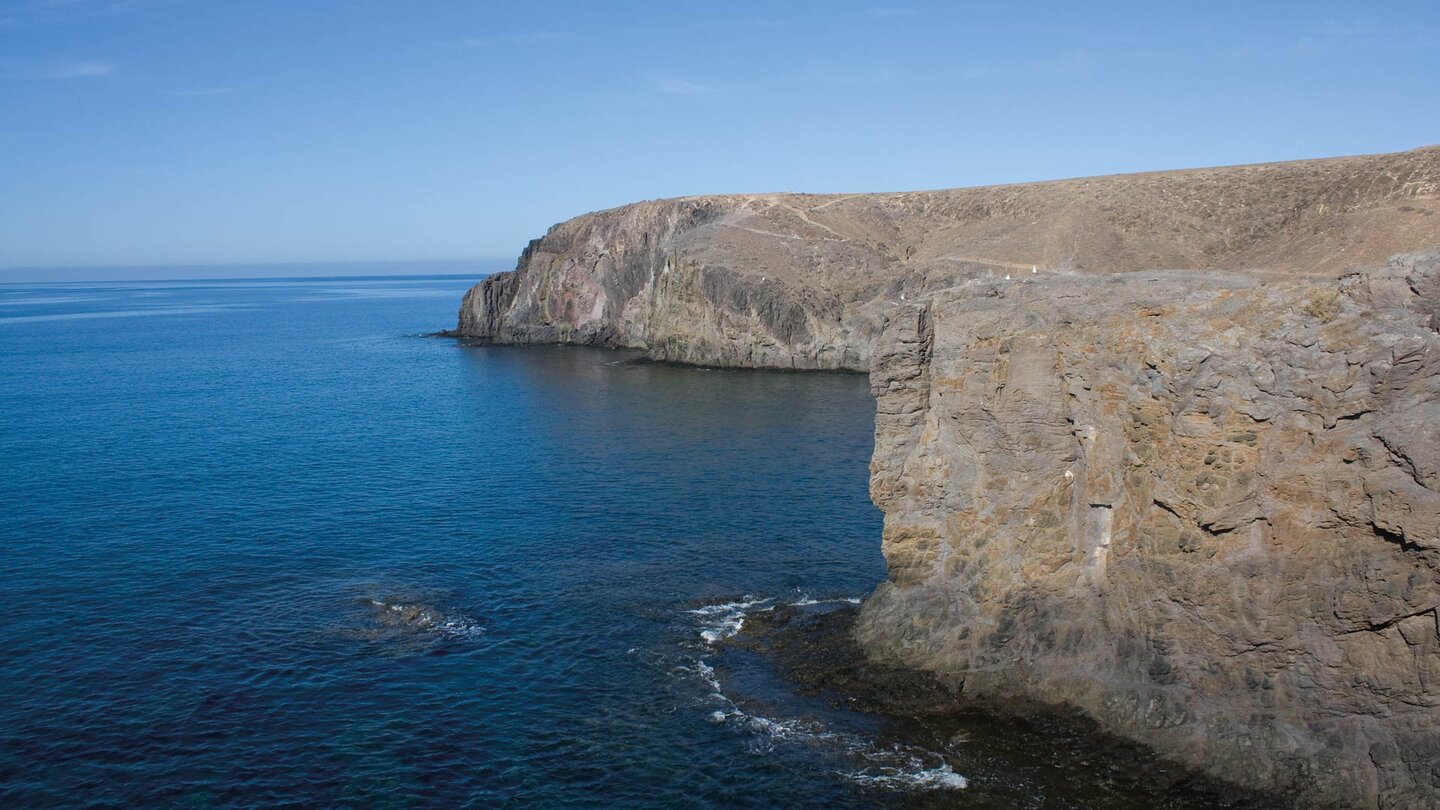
[(272, 543), (267, 542)]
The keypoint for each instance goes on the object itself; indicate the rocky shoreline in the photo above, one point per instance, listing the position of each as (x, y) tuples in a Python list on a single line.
[(1161, 448), (1067, 754)]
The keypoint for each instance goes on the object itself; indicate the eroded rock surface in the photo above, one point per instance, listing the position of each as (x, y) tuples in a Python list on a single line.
[(1203, 508)]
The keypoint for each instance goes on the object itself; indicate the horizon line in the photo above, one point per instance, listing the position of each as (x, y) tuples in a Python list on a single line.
[(262, 263), (111, 273)]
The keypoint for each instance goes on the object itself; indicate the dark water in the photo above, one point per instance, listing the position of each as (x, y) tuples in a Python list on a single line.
[(262, 543)]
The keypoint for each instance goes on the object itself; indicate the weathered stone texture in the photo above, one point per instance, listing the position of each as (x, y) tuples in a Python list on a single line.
[(806, 281), (1202, 508)]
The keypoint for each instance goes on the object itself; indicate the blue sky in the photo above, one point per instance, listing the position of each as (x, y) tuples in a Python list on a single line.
[(145, 132)]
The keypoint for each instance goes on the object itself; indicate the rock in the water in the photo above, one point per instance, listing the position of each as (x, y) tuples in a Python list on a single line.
[(411, 624), (406, 615)]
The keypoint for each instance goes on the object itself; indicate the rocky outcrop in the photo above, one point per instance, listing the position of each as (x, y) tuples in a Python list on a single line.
[(1203, 508), (807, 281), (649, 276), (1147, 446)]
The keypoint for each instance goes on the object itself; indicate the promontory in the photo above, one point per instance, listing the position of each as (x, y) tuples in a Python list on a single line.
[(1162, 448)]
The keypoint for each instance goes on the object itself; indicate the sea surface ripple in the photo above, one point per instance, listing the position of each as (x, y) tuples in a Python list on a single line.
[(265, 543)]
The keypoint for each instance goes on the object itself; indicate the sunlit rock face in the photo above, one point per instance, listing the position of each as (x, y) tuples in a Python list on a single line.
[(1203, 508), (807, 281)]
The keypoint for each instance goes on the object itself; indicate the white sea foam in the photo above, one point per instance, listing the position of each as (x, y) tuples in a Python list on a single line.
[(725, 630), (892, 767), (743, 603), (719, 622), (461, 628), (806, 601), (706, 675), (941, 777)]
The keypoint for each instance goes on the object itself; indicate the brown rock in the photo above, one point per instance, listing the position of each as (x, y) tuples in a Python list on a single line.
[(1241, 569), (806, 281), (1200, 504)]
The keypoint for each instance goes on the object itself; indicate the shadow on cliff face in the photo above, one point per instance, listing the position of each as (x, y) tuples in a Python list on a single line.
[(1016, 755)]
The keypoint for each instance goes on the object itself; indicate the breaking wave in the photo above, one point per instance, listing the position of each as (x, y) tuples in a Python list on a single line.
[(721, 621), (917, 776), (867, 762)]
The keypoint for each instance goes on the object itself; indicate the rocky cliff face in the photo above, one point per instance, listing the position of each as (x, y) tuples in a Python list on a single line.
[(1200, 503), (660, 276), (807, 281), (1202, 508)]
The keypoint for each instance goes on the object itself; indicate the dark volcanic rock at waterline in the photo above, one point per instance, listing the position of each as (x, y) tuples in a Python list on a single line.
[(1068, 757)]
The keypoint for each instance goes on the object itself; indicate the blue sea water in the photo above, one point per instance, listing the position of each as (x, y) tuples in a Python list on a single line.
[(264, 542)]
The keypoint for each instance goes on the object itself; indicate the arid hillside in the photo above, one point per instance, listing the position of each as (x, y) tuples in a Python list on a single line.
[(805, 281), (1311, 217)]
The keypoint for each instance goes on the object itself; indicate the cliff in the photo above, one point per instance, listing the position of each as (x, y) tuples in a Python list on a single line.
[(807, 281), (1202, 508), (1149, 446)]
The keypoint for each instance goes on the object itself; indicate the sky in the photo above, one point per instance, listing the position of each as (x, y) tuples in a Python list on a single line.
[(142, 133)]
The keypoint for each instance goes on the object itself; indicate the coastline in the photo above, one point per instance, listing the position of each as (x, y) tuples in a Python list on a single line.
[(815, 652), (1198, 505), (638, 357)]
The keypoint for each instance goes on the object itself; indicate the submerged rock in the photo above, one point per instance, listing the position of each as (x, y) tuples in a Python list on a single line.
[(410, 624), (1066, 759), (404, 615)]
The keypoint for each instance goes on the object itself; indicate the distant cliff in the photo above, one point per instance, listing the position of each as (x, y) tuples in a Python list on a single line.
[(1161, 447), (806, 281)]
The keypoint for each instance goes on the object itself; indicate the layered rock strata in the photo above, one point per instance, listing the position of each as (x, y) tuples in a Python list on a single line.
[(1147, 446)]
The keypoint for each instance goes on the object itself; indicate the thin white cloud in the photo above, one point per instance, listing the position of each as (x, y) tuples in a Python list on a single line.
[(722, 25), (544, 36), (890, 12), (532, 38), (679, 87), (207, 91), (78, 70), (1363, 29), (851, 75), (1337, 36)]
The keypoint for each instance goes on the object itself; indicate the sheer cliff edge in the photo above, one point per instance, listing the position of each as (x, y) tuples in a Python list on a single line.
[(1164, 447)]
